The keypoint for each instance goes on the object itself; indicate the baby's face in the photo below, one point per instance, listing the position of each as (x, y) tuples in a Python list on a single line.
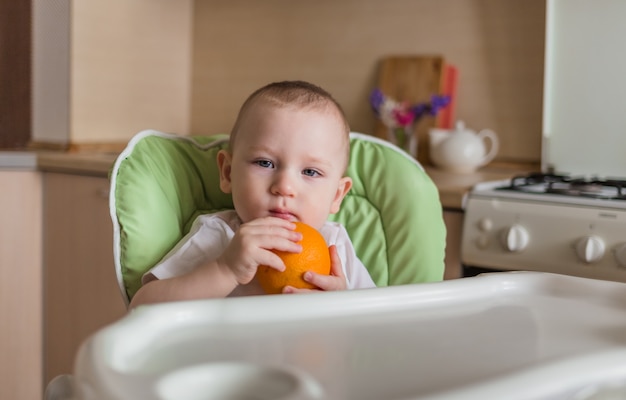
[(287, 163)]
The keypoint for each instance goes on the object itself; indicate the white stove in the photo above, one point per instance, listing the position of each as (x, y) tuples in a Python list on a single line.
[(548, 223)]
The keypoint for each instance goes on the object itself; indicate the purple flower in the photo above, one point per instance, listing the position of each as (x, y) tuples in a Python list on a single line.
[(438, 102), (377, 98), (420, 109), (396, 114)]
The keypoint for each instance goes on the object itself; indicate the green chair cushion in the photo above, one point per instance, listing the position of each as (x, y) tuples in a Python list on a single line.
[(393, 214)]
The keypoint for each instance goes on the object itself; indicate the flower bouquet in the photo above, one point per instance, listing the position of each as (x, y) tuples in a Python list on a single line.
[(400, 117)]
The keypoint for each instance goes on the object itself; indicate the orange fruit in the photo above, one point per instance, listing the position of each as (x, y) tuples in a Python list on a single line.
[(314, 257)]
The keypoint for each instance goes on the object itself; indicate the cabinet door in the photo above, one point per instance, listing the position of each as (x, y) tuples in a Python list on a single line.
[(20, 285), (81, 293), (454, 227)]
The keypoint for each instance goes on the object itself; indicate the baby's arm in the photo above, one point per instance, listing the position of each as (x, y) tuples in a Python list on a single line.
[(208, 280), (250, 247), (335, 281)]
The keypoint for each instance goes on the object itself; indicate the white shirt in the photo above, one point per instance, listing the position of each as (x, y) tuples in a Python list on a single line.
[(210, 234)]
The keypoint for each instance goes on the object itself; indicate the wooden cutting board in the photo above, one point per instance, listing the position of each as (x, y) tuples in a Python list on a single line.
[(413, 79)]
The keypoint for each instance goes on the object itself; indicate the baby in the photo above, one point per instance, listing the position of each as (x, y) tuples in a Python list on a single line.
[(286, 161)]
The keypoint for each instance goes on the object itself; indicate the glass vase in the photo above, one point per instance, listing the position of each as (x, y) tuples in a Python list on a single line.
[(404, 138)]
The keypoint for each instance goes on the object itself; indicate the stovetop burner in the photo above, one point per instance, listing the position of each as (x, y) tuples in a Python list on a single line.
[(546, 183)]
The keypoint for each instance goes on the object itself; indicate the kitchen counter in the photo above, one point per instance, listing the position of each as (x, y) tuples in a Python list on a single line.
[(452, 186)]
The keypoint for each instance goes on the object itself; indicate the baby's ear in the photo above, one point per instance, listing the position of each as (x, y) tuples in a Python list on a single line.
[(343, 188), (224, 161)]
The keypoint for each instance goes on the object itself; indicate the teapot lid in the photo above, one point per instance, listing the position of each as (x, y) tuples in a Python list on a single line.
[(459, 126)]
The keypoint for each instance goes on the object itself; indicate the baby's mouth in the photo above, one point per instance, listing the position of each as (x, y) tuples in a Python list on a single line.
[(283, 214)]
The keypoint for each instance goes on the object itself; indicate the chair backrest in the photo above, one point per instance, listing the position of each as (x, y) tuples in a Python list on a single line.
[(161, 182)]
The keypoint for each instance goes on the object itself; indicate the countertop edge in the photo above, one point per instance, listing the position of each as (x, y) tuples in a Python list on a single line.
[(83, 164)]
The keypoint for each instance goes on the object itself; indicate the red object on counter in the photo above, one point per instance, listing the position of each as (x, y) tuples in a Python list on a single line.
[(449, 86)]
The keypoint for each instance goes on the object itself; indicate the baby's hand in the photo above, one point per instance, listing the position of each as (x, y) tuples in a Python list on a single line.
[(252, 246), (335, 281)]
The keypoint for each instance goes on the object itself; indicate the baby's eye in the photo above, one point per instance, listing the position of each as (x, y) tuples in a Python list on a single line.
[(264, 163), (310, 172)]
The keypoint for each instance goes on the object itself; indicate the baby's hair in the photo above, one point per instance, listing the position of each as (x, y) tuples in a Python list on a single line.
[(297, 94)]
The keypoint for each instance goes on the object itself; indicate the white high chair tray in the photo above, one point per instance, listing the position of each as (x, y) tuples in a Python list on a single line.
[(512, 335)]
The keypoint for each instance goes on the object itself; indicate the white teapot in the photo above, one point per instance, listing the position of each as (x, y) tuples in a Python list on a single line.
[(462, 150)]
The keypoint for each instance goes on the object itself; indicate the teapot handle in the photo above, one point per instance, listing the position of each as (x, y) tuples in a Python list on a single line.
[(494, 144)]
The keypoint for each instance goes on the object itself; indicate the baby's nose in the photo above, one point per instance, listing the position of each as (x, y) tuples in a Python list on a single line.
[(283, 184)]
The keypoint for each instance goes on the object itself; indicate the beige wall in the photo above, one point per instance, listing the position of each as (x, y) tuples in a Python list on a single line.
[(103, 70), (131, 63), (239, 45)]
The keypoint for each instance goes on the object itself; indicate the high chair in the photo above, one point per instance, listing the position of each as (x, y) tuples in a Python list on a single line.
[(161, 182)]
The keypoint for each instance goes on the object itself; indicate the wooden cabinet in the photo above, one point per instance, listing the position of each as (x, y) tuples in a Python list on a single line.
[(20, 285), (454, 226), (81, 293)]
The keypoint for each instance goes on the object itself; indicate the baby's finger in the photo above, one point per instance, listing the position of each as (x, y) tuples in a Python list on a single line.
[(295, 290), (272, 260), (336, 268), (272, 228), (280, 244), (273, 221), (325, 282)]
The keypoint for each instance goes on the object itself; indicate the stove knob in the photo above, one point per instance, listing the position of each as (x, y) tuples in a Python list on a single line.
[(485, 224), (620, 255), (515, 238), (590, 249)]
